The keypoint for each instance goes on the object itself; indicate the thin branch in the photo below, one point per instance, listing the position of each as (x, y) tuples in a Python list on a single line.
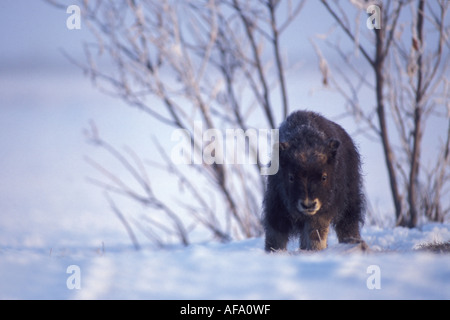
[(348, 32), (276, 48), (258, 64), (122, 219)]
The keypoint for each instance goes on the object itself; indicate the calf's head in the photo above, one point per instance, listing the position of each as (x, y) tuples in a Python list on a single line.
[(307, 173)]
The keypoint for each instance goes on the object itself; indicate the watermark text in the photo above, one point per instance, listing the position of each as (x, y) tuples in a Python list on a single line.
[(73, 22), (232, 146)]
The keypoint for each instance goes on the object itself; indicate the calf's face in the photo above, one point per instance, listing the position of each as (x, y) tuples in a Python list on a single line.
[(307, 175)]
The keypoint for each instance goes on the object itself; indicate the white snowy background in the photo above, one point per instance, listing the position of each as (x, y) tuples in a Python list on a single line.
[(51, 218)]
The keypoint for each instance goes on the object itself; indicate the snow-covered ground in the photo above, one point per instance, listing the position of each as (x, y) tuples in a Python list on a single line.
[(394, 269)]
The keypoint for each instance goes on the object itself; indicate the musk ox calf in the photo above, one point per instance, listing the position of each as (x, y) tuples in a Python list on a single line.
[(318, 184)]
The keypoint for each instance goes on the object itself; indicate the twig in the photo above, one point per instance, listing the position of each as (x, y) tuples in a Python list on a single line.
[(124, 221)]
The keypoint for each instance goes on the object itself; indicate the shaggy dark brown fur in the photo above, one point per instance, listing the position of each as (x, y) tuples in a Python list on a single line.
[(318, 184)]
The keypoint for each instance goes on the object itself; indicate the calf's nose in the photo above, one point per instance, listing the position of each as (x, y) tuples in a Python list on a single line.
[(308, 204)]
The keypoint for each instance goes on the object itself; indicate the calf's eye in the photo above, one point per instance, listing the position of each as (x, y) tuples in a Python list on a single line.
[(324, 177), (291, 177)]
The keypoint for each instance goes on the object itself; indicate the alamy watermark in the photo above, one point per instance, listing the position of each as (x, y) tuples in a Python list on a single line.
[(374, 21), (232, 146), (74, 20), (74, 280), (374, 280)]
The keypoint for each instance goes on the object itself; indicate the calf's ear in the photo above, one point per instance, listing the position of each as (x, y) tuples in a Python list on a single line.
[(333, 146), (282, 147)]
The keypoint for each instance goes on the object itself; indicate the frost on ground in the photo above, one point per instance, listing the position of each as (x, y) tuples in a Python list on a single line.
[(395, 268)]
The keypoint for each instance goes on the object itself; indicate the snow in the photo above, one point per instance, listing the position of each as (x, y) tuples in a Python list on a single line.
[(393, 269)]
